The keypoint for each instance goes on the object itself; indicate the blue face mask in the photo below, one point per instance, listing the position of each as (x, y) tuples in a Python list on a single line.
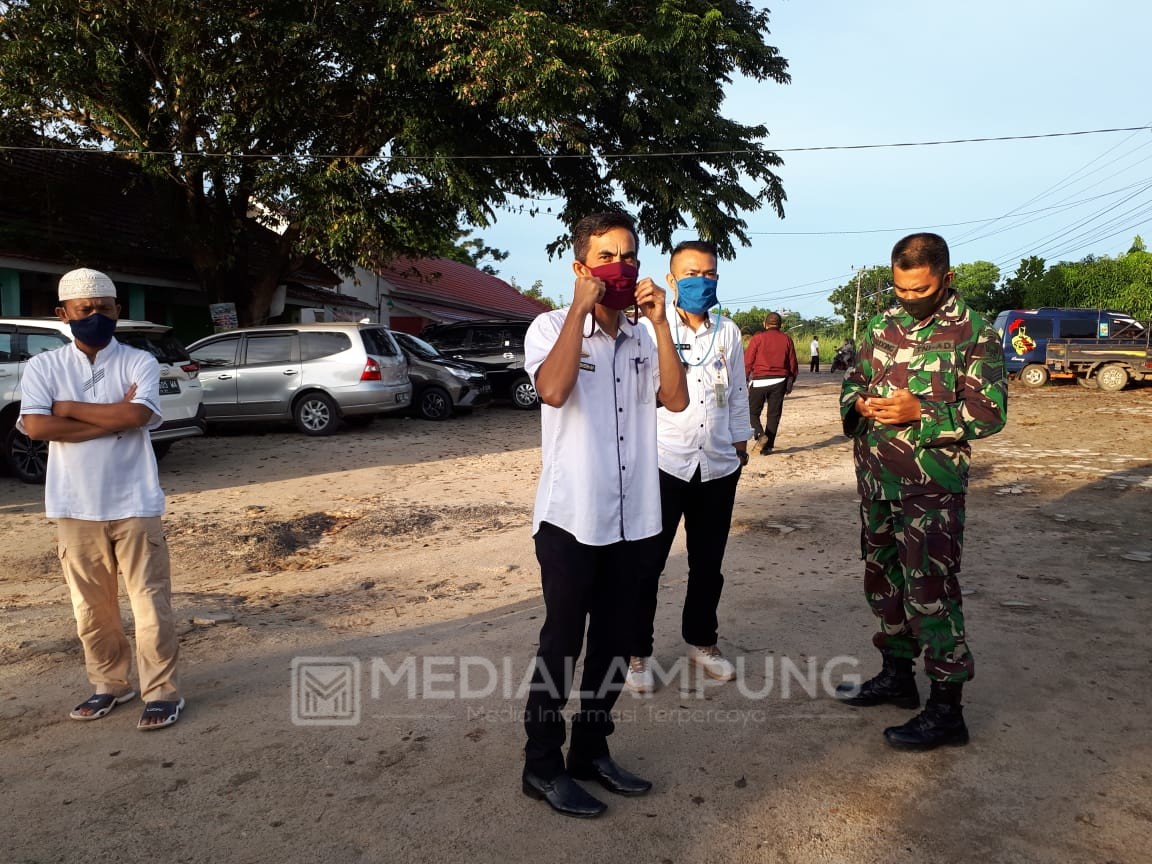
[(696, 294), (95, 331)]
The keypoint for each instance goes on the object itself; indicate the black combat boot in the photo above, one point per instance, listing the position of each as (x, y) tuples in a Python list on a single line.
[(940, 724), (895, 685)]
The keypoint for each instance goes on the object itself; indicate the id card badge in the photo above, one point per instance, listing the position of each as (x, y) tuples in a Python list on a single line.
[(721, 384)]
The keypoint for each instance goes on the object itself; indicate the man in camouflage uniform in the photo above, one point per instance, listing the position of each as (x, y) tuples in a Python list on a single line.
[(929, 378)]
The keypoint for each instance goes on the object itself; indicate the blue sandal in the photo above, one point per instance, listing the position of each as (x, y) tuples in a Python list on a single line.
[(168, 712), (100, 704)]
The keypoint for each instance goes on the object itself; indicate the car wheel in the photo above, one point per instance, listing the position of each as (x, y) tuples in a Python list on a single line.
[(1034, 375), (1112, 377), (1087, 383), (524, 394), (161, 448), (27, 459), (435, 404), (316, 414)]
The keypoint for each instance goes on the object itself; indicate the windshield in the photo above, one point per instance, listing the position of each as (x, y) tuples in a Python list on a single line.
[(165, 347), (417, 346)]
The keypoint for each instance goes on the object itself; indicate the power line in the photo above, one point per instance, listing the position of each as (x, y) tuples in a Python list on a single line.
[(208, 154)]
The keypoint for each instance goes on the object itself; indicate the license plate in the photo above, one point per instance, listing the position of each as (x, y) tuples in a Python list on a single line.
[(169, 386)]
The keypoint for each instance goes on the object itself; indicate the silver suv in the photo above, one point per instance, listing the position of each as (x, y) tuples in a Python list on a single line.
[(317, 375), (22, 338)]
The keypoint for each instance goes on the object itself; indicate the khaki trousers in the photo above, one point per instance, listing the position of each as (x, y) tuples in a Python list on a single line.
[(91, 554)]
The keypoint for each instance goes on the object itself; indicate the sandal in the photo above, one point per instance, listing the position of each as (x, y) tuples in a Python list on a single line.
[(169, 712), (100, 704)]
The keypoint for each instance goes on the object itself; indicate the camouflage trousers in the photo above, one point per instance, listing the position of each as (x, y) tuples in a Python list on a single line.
[(911, 550)]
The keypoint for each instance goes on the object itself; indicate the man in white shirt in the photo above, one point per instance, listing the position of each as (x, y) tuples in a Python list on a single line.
[(596, 523), (701, 453), (814, 355), (95, 400)]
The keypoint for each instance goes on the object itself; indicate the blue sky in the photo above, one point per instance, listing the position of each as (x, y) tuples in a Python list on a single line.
[(893, 71)]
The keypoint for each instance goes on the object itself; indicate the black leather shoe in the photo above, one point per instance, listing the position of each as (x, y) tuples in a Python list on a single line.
[(895, 685), (611, 776), (563, 795), (938, 725)]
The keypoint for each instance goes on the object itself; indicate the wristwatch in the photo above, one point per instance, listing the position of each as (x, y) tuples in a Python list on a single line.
[(742, 455)]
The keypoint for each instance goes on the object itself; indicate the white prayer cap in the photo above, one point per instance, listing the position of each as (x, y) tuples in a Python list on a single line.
[(83, 283)]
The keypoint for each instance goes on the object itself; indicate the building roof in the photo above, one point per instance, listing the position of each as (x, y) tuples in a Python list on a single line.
[(456, 291), (66, 208)]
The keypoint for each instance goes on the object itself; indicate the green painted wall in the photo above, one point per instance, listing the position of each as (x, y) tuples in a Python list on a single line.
[(9, 293)]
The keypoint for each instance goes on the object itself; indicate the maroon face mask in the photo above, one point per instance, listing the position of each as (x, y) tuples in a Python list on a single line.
[(619, 284)]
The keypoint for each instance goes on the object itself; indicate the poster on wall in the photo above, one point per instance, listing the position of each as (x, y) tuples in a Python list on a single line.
[(223, 316)]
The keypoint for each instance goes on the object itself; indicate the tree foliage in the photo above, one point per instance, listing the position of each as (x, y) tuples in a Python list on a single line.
[(366, 129), (875, 294), (978, 282), (1123, 284)]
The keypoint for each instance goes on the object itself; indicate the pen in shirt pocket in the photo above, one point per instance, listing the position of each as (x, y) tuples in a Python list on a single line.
[(643, 382)]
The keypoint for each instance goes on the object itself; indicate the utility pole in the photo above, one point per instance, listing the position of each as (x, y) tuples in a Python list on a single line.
[(856, 315)]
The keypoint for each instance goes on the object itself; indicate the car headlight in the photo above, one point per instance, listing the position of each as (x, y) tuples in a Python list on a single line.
[(462, 374)]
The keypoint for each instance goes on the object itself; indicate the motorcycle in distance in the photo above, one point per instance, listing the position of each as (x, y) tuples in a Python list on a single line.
[(844, 358)]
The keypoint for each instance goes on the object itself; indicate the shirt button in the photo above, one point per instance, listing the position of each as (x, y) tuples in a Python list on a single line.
[(623, 468), (621, 437), (621, 410), (617, 380)]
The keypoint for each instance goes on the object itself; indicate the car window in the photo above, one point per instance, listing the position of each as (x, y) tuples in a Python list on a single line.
[(217, 354), (417, 346), (313, 346), (165, 347), (7, 346), (262, 350), (40, 341), (378, 342), (1037, 328), (485, 338), (513, 337), (1078, 328), (449, 340)]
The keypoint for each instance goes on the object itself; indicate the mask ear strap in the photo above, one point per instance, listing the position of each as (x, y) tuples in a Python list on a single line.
[(591, 330), (635, 315)]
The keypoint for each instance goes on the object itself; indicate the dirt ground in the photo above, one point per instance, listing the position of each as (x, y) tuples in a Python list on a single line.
[(409, 539)]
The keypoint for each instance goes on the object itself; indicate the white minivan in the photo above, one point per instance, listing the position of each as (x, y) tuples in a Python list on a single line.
[(23, 338)]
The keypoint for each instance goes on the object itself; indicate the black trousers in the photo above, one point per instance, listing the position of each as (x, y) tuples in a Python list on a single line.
[(591, 586), (707, 512), (814, 364), (772, 396)]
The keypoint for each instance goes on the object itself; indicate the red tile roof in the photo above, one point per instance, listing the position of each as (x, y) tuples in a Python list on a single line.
[(474, 293)]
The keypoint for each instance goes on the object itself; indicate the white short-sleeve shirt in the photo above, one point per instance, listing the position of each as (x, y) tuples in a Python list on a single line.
[(111, 477), (599, 480)]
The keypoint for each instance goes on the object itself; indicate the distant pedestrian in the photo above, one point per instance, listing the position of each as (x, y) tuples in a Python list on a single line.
[(814, 355), (95, 400), (771, 367)]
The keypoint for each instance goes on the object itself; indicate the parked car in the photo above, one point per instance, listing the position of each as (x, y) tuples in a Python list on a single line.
[(1024, 335), (498, 346), (23, 338), (440, 384), (317, 375)]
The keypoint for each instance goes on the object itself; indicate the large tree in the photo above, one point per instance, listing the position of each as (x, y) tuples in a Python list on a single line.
[(978, 282), (365, 129)]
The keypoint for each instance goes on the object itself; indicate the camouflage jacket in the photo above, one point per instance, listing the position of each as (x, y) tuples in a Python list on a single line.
[(954, 363)]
